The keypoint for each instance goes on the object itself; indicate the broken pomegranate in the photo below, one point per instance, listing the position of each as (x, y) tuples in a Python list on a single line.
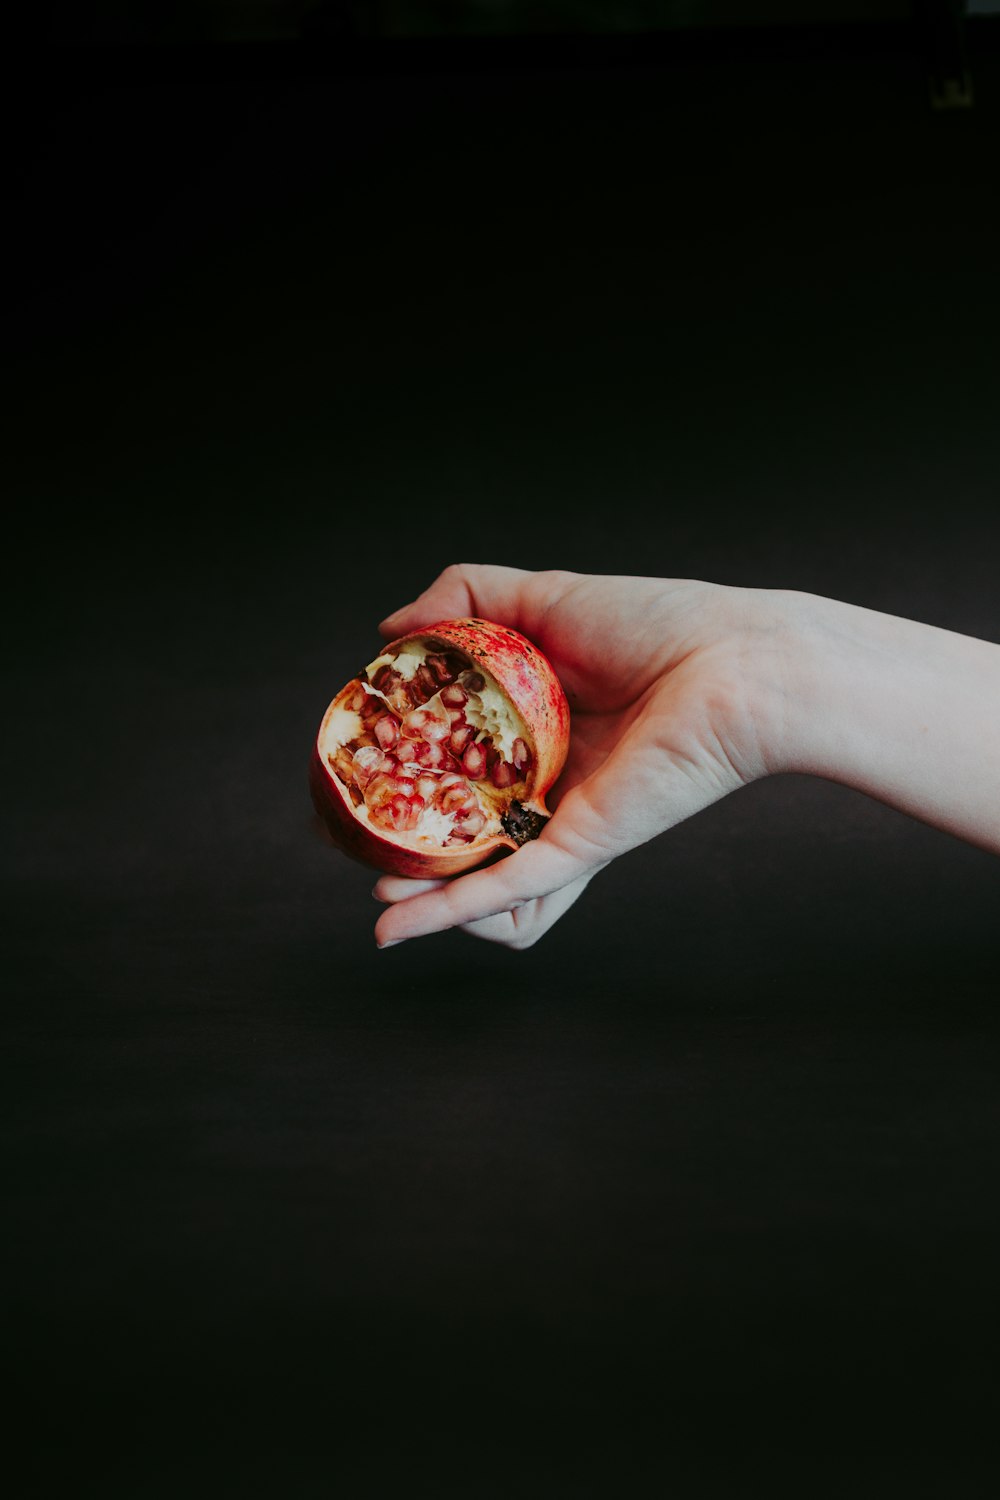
[(440, 753)]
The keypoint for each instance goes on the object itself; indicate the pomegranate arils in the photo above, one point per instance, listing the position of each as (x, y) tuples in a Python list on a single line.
[(426, 785), (417, 805), (520, 755), (365, 762), (422, 724), (424, 684), (343, 763), (397, 692), (386, 731), (474, 762), (356, 701), (468, 825), (433, 757), (399, 813), (441, 668), (460, 737), (436, 731), (459, 799), (475, 682), (454, 696), (502, 774)]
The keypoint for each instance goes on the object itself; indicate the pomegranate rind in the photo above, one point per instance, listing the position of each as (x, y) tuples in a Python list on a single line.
[(527, 679)]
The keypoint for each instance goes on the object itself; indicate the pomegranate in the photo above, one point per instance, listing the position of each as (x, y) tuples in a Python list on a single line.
[(440, 753)]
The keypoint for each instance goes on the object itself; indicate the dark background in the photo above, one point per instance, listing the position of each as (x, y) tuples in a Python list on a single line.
[(698, 1196)]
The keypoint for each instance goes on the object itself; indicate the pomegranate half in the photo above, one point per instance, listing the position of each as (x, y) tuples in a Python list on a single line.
[(441, 751)]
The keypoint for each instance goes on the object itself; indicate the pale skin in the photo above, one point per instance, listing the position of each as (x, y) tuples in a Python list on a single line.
[(682, 692)]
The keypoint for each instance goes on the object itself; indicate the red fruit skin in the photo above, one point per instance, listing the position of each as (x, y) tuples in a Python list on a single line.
[(530, 683)]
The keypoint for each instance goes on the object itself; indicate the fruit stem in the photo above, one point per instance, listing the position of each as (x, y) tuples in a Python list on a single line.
[(521, 824)]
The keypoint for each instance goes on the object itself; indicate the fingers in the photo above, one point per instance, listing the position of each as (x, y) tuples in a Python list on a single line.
[(536, 870), (463, 589), (393, 888), (526, 924), (519, 928)]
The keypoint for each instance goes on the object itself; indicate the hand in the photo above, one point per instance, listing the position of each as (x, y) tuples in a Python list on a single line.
[(663, 723)]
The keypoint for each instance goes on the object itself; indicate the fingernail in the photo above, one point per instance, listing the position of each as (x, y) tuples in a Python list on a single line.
[(392, 943)]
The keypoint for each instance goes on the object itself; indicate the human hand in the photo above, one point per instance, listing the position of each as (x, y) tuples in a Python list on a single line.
[(663, 723)]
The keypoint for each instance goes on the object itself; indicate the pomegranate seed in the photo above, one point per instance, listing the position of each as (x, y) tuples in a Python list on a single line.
[(385, 679), (356, 701), (431, 757), (386, 731), (426, 786), (399, 813), (459, 800), (454, 696), (503, 774), (366, 762), (428, 682), (380, 788), (422, 724), (439, 666), (401, 699), (436, 731), (474, 822), (475, 682), (342, 763), (460, 737), (474, 762), (407, 812), (520, 755)]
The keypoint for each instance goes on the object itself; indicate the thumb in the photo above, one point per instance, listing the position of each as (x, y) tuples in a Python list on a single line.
[(462, 589)]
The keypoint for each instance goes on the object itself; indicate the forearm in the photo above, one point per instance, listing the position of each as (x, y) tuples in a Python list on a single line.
[(902, 711)]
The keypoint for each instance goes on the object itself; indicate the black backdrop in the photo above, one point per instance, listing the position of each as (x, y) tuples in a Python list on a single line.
[(699, 1195)]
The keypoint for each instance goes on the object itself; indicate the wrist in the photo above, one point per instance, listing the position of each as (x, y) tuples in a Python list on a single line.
[(773, 643), (815, 662)]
